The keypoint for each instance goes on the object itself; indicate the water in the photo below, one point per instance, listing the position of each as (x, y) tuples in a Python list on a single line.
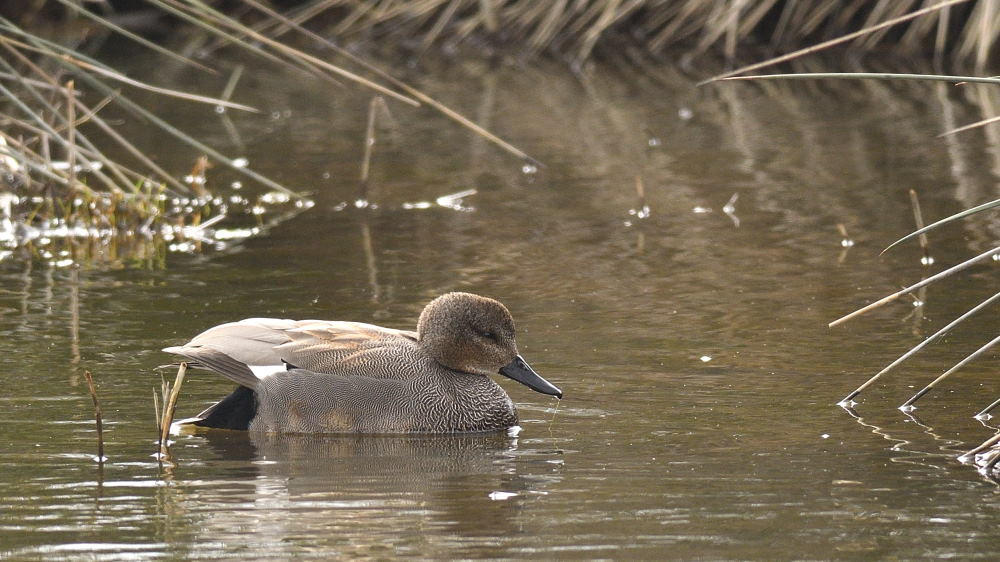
[(688, 330)]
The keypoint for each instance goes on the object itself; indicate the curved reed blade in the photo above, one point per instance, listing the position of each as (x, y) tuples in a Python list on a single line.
[(422, 97), (944, 221), (946, 273), (913, 351), (137, 38), (216, 155), (287, 50), (837, 41), (94, 118), (44, 125), (866, 76), (135, 108), (114, 75), (908, 405)]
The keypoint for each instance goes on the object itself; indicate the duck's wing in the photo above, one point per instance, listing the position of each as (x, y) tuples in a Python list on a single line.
[(349, 348), (233, 349), (252, 349)]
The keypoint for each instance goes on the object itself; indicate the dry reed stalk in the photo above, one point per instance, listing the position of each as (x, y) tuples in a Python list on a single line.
[(885, 300), (908, 405), (51, 111), (422, 97), (931, 339), (234, 78), (206, 11), (57, 52), (110, 73), (837, 41), (986, 411), (137, 38), (196, 176), (74, 319), (970, 454), (89, 113), (843, 231), (156, 409), (97, 416), (170, 394)]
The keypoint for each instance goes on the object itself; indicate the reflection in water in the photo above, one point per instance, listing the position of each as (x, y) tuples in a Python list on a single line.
[(282, 487), (952, 449)]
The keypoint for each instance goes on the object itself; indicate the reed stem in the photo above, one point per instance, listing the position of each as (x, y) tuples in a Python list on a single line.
[(97, 416), (169, 407)]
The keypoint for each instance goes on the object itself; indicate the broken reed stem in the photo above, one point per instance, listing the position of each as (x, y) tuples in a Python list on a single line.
[(885, 300), (918, 218), (933, 338), (369, 140), (640, 190), (169, 407), (97, 416)]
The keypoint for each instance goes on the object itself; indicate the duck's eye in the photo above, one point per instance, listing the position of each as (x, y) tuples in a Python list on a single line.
[(487, 334)]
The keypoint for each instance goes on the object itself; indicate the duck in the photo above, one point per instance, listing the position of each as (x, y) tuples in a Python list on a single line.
[(323, 376)]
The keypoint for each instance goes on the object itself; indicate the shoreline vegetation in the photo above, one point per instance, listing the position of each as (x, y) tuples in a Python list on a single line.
[(962, 31), (58, 183)]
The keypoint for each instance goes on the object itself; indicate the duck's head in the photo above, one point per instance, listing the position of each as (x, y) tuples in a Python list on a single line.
[(473, 334)]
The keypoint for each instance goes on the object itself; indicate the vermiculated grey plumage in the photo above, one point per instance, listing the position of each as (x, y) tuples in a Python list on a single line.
[(356, 377)]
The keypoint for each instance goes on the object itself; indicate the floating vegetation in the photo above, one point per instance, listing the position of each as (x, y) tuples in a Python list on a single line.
[(100, 228)]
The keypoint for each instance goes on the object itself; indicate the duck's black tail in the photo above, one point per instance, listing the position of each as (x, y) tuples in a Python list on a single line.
[(235, 411)]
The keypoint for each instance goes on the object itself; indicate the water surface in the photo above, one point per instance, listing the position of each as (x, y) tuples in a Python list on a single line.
[(700, 376)]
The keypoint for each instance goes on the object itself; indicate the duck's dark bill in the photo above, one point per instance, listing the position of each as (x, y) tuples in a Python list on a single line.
[(519, 370)]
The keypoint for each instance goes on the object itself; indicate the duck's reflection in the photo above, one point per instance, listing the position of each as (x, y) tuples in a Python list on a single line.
[(283, 485)]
